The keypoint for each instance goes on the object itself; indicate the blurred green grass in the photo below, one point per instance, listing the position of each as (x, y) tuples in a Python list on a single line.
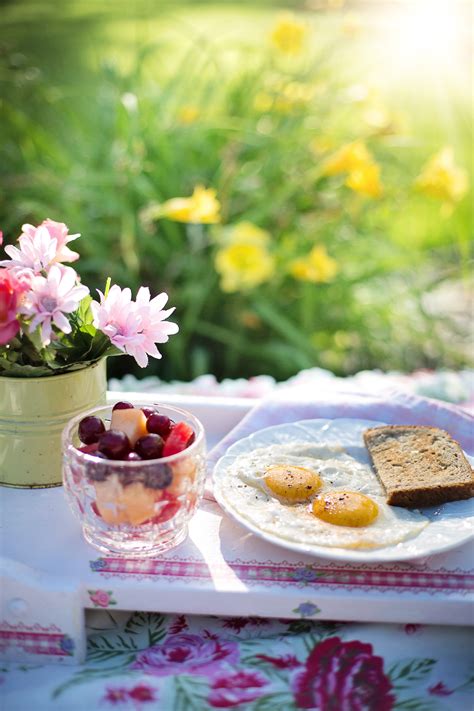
[(92, 94)]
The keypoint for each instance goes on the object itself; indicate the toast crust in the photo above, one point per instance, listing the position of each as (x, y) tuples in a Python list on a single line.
[(419, 466)]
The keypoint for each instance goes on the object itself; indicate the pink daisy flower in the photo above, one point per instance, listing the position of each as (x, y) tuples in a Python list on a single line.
[(40, 247), (52, 297), (60, 232), (134, 326)]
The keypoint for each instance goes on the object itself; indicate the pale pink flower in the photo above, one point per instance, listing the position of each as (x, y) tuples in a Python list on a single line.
[(134, 326), (50, 298), (40, 248), (35, 254), (1, 237), (58, 231)]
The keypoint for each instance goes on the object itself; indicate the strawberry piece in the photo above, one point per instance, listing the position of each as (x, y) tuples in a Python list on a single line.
[(89, 448), (178, 439), (170, 508)]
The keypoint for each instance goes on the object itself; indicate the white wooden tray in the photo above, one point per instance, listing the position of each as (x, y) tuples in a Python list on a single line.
[(50, 575)]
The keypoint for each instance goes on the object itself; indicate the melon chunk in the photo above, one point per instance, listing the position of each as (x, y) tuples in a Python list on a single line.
[(132, 504), (130, 422)]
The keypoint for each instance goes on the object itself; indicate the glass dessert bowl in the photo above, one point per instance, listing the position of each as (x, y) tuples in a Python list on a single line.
[(134, 490)]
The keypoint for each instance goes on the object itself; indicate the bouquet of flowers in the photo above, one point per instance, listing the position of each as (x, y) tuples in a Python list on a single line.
[(50, 324)]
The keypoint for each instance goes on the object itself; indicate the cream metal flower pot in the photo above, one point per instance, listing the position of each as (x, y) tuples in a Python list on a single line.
[(33, 413)]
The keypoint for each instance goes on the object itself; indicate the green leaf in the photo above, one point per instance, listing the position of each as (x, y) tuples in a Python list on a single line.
[(91, 675), (280, 700), (84, 312), (468, 684), (17, 370), (416, 703), (190, 694), (299, 627), (275, 674), (284, 326), (151, 622), (410, 672)]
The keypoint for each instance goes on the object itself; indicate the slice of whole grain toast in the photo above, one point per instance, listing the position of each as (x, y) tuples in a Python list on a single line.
[(419, 466)]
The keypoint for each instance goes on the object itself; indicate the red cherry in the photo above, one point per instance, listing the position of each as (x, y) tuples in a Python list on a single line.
[(90, 429), (114, 444), (133, 457), (148, 411), (180, 437), (123, 405), (159, 424), (158, 476), (149, 447)]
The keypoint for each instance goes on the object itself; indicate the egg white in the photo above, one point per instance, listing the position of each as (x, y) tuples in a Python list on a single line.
[(245, 491)]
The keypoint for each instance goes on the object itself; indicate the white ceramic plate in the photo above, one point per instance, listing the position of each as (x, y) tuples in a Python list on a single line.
[(450, 525)]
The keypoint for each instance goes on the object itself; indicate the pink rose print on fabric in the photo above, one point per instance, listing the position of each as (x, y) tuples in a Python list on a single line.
[(343, 676), (238, 623), (187, 654), (116, 696), (231, 690), (440, 689), (178, 625), (101, 598), (142, 693), (289, 661), (138, 695)]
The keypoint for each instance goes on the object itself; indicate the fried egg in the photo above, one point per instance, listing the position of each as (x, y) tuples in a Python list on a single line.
[(316, 495)]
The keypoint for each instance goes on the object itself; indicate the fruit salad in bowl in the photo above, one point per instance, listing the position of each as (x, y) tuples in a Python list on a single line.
[(134, 475)]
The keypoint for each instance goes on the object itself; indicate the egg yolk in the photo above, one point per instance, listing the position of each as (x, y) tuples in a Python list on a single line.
[(295, 484), (345, 508)]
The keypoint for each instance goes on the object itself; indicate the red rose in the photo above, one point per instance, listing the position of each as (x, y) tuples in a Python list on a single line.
[(343, 676), (11, 291)]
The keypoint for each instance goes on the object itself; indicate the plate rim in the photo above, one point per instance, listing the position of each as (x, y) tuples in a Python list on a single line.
[(347, 555)]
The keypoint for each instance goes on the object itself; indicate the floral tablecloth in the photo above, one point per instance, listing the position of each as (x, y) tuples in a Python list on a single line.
[(140, 660)]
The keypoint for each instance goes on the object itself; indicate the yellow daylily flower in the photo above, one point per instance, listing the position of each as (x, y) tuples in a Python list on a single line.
[(263, 102), (245, 261), (246, 232), (366, 180), (202, 207), (316, 267), (188, 114), (349, 157), (441, 178), (288, 34)]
